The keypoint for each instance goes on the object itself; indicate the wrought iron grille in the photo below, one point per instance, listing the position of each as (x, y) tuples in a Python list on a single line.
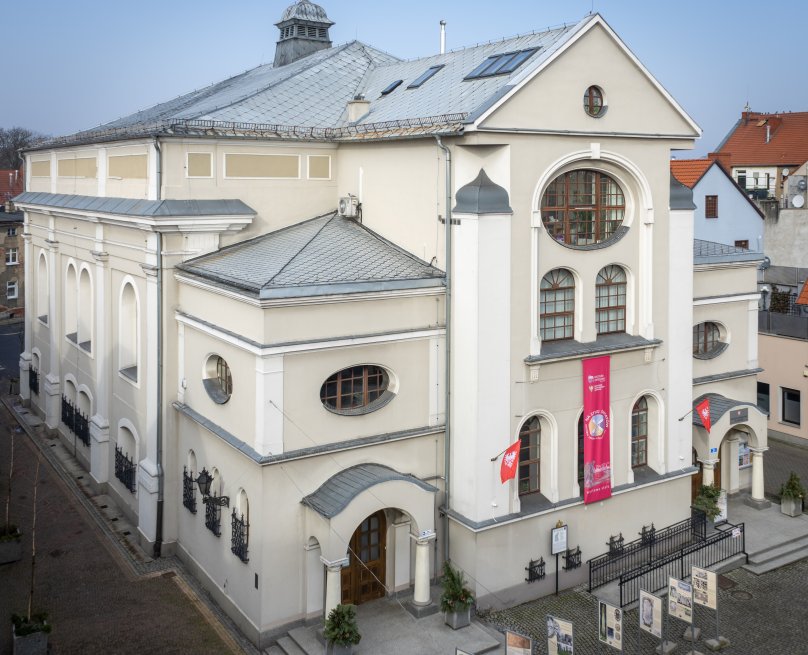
[(188, 493), (572, 558), (75, 421), (125, 469), (241, 537), (648, 535), (213, 517), (33, 381), (535, 570), (616, 544), (68, 411)]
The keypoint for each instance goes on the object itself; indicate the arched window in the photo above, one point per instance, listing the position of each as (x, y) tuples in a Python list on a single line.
[(240, 524), (128, 355), (42, 295), (611, 300), (582, 207), (581, 454), (71, 298), (639, 433), (593, 101), (85, 306), (557, 305), (218, 381), (530, 456), (357, 389), (707, 341)]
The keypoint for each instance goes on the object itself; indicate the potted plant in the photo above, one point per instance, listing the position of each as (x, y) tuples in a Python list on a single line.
[(10, 542), (707, 501), (456, 599), (791, 494), (341, 631)]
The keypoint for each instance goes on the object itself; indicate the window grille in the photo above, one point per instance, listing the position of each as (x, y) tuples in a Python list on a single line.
[(33, 381), (125, 469), (188, 491), (213, 517), (535, 570), (241, 536)]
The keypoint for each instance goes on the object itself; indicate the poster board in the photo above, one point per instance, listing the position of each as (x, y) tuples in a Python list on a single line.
[(680, 600), (705, 587), (558, 543), (559, 636), (610, 625), (650, 614), (517, 644)]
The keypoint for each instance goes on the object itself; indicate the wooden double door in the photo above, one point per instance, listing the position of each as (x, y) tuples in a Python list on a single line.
[(363, 579)]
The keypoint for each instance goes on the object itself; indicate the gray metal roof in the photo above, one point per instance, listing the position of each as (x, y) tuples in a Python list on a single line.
[(338, 491), (312, 93), (322, 256), (681, 195), (719, 405), (482, 196), (135, 207), (305, 10), (710, 252)]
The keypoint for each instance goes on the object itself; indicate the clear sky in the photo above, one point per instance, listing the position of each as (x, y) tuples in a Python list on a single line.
[(80, 63)]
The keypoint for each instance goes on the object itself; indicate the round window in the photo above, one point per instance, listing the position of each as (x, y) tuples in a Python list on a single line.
[(582, 207), (593, 102), (356, 390), (707, 340), (217, 381)]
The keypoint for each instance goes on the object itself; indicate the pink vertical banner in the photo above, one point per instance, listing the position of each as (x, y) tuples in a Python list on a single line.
[(597, 464)]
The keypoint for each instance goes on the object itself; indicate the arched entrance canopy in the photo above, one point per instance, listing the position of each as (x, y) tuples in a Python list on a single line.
[(725, 414)]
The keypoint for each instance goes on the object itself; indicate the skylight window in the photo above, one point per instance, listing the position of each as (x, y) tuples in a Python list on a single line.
[(391, 87), (423, 77), (501, 64)]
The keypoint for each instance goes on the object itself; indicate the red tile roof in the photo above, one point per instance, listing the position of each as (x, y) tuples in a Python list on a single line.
[(803, 298), (788, 146), (11, 184), (690, 171)]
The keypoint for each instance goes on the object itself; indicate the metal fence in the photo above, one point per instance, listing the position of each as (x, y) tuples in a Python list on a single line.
[(727, 542), (787, 325)]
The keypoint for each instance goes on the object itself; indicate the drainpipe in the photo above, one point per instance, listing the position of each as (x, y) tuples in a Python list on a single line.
[(158, 532), (447, 438)]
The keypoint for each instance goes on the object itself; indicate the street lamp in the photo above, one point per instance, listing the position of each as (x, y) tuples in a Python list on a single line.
[(204, 480)]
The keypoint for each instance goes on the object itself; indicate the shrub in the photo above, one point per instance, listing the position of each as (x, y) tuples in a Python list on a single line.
[(456, 596), (340, 626)]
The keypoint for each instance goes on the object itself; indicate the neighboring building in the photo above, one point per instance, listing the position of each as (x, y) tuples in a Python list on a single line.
[(12, 183), (202, 306), (724, 213), (12, 266), (787, 233), (762, 150)]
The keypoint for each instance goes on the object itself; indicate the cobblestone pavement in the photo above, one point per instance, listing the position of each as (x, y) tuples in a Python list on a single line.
[(758, 614), (780, 460), (99, 599)]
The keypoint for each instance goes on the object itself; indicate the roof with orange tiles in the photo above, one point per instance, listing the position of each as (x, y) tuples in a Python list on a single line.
[(690, 171), (788, 139), (11, 184), (803, 297)]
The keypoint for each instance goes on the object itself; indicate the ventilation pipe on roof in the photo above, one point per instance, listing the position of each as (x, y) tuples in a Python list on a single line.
[(443, 37), (768, 132)]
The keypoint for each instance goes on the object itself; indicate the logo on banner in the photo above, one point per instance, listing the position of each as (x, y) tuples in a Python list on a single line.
[(597, 424)]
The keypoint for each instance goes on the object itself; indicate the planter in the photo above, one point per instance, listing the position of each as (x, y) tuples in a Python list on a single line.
[(791, 506), (458, 619), (11, 550), (35, 643), (336, 649)]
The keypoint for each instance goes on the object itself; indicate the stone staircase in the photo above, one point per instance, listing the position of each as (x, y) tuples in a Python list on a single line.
[(773, 557)]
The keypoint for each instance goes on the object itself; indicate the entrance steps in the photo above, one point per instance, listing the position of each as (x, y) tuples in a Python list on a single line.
[(773, 557)]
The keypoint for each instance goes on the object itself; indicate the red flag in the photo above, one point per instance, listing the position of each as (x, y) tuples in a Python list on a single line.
[(510, 462), (703, 408)]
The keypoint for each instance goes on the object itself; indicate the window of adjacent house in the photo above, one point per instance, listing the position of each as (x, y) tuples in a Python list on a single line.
[(593, 101), (501, 64), (12, 256), (744, 453), (639, 433), (128, 333), (262, 166), (199, 164), (11, 232), (319, 167), (742, 179), (40, 168), (763, 396), (423, 77), (610, 290), (557, 305), (11, 289), (743, 243), (218, 381), (582, 207), (791, 406), (711, 206), (706, 338), (354, 388), (529, 456)]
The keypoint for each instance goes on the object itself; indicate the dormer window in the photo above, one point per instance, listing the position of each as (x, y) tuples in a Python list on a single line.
[(391, 87), (423, 77), (501, 64)]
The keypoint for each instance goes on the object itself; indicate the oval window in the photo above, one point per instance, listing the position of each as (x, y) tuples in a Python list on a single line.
[(217, 381), (582, 208), (356, 390), (708, 341), (593, 102)]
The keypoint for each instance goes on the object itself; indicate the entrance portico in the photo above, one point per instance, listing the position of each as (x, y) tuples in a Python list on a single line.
[(355, 515)]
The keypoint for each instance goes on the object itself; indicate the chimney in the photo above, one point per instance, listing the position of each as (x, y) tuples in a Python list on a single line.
[(443, 37), (723, 159), (358, 108)]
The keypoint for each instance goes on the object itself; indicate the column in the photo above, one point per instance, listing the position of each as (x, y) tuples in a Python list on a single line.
[(333, 582), (757, 474), (708, 471), (25, 356), (51, 381), (99, 421), (422, 544), (730, 456)]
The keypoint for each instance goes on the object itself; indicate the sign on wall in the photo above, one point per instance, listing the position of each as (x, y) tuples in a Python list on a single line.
[(559, 540), (597, 463), (610, 625), (680, 599), (651, 614)]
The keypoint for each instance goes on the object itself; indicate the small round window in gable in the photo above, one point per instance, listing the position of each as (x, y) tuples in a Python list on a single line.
[(594, 103)]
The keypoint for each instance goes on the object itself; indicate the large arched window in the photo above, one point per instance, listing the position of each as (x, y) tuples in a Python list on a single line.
[(639, 433), (582, 207), (357, 389), (530, 456), (611, 300), (557, 305), (42, 294), (128, 354)]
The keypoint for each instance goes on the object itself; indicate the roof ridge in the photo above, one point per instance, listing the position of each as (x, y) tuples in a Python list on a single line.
[(300, 250)]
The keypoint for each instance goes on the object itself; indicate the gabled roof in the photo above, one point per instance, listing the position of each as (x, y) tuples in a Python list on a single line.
[(690, 171), (802, 299), (788, 145), (323, 256)]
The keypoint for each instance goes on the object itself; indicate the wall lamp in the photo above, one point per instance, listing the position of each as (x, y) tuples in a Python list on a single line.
[(204, 480)]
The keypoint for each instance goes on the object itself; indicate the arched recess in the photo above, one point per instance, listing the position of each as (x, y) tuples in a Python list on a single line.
[(84, 401), (655, 432), (36, 358), (42, 290), (240, 526), (127, 455), (128, 440), (85, 308), (70, 388), (190, 464), (71, 298), (548, 454), (129, 330)]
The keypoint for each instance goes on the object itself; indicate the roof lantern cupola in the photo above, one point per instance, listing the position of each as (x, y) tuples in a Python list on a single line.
[(303, 30)]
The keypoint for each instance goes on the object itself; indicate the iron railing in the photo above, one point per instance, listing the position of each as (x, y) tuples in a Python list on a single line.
[(241, 537), (188, 491), (75, 421), (213, 517), (125, 469), (33, 381)]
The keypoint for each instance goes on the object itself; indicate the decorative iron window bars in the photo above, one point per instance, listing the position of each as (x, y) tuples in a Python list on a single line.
[(125, 469), (33, 381), (572, 559), (188, 493), (241, 536), (616, 544), (535, 570), (75, 421), (213, 517), (648, 535)]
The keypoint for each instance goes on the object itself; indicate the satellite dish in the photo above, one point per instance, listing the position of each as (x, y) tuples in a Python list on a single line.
[(798, 201), (785, 172), (801, 184)]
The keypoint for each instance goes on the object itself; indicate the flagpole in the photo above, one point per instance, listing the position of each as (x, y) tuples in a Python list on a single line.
[(693, 409), (497, 456)]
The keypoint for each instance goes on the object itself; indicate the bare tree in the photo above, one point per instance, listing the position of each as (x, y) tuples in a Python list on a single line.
[(11, 140)]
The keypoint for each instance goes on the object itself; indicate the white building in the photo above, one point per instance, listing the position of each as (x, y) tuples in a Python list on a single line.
[(199, 304)]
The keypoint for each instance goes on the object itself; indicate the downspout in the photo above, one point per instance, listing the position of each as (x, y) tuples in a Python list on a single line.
[(448, 372), (158, 531)]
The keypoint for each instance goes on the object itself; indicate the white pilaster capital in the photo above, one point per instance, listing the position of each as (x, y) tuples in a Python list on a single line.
[(149, 269), (335, 565), (708, 463), (423, 537), (758, 451), (53, 246), (101, 256)]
